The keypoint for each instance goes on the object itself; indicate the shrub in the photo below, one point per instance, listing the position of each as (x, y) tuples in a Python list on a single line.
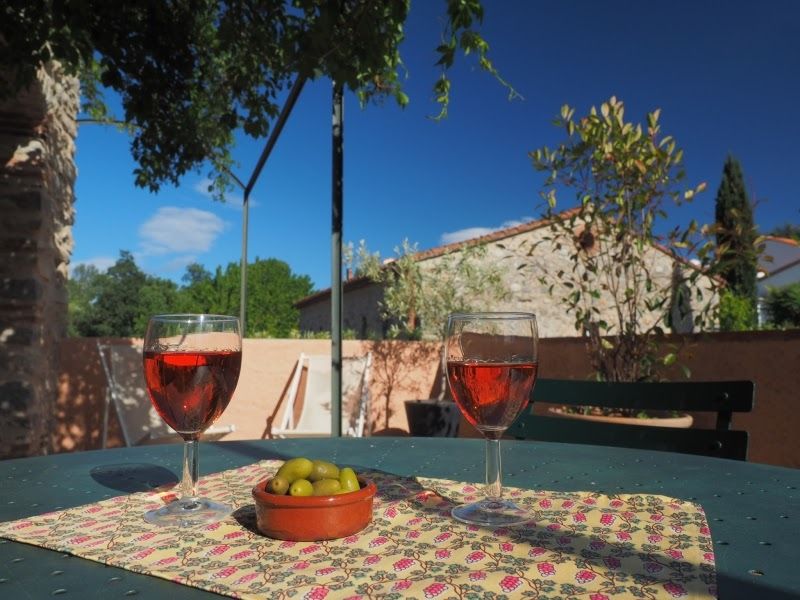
[(783, 305), (736, 313)]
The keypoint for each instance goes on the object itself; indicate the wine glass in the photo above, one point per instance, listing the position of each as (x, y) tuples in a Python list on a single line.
[(491, 368), (191, 367)]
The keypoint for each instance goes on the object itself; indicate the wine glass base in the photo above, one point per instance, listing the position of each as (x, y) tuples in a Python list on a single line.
[(491, 513), (188, 512)]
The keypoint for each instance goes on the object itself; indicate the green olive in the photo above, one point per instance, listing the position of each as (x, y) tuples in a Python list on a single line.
[(277, 485), (326, 487), (348, 480), (323, 469), (294, 469), (301, 487)]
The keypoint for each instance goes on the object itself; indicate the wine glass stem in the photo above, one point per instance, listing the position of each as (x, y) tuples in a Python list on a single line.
[(494, 488), (190, 469)]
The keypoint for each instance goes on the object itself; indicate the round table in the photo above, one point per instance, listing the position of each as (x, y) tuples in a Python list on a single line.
[(753, 510)]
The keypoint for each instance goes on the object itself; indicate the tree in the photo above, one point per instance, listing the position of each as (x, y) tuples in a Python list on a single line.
[(783, 306), (192, 72), (198, 293), (120, 301), (115, 303), (156, 296), (736, 236), (274, 289), (624, 175), (417, 297), (82, 288), (787, 230), (402, 287), (116, 308)]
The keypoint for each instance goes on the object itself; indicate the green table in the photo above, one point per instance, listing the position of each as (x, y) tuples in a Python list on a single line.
[(753, 510)]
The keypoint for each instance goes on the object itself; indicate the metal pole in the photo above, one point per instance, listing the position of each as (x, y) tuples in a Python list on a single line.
[(273, 138), (243, 266), (336, 261)]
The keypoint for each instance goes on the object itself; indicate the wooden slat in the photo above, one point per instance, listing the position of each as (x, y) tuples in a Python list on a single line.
[(714, 396), (707, 442), (721, 397)]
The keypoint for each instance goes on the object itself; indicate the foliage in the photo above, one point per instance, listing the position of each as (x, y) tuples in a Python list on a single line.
[(296, 334), (736, 313), (783, 306), (737, 246), (109, 302), (417, 298), (82, 288), (787, 230), (624, 175), (272, 290), (120, 301), (191, 73)]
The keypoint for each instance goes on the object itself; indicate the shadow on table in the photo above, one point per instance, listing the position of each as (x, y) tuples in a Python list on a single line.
[(134, 477), (250, 449), (758, 587)]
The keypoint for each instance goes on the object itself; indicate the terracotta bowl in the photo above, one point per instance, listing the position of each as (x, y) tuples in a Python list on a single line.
[(313, 518)]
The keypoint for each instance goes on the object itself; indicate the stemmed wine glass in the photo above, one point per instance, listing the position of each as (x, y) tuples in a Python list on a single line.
[(191, 367), (491, 367)]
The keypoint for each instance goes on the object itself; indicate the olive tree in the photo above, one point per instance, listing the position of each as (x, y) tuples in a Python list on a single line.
[(419, 295), (624, 177)]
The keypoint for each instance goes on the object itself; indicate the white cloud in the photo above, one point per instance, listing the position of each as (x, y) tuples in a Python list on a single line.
[(232, 200), (180, 230), (474, 232), (179, 263), (101, 263)]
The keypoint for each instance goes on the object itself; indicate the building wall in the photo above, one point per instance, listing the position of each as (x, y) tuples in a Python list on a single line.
[(37, 175), (410, 370), (360, 313), (521, 272), (787, 276)]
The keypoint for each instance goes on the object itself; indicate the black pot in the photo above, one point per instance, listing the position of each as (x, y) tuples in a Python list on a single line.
[(431, 418)]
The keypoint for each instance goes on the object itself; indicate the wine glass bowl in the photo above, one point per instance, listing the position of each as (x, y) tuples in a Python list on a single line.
[(492, 362), (191, 367)]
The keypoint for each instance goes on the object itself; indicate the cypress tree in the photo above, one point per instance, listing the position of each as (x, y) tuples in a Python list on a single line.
[(736, 233)]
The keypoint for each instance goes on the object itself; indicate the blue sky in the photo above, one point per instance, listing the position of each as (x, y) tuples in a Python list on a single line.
[(724, 73)]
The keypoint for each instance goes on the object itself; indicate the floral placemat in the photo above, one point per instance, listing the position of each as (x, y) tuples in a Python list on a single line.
[(579, 545)]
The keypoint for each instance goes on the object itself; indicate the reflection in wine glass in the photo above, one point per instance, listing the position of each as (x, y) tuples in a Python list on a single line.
[(191, 367), (492, 362)]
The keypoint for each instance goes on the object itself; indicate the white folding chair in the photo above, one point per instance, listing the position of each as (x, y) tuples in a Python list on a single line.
[(315, 412), (126, 393)]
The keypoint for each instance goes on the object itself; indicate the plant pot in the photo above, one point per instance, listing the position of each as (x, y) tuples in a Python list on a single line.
[(683, 421), (432, 418)]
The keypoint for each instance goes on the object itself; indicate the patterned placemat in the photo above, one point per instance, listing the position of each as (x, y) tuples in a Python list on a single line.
[(579, 545)]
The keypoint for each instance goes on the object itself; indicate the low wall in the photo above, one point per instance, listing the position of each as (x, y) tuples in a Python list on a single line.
[(410, 370)]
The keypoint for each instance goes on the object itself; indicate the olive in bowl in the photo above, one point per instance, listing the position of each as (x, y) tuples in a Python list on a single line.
[(313, 518)]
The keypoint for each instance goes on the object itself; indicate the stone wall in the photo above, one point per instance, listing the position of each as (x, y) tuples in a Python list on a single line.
[(524, 255), (37, 175)]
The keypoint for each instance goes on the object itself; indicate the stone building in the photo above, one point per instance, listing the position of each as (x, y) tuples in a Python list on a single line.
[(37, 176), (523, 256)]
